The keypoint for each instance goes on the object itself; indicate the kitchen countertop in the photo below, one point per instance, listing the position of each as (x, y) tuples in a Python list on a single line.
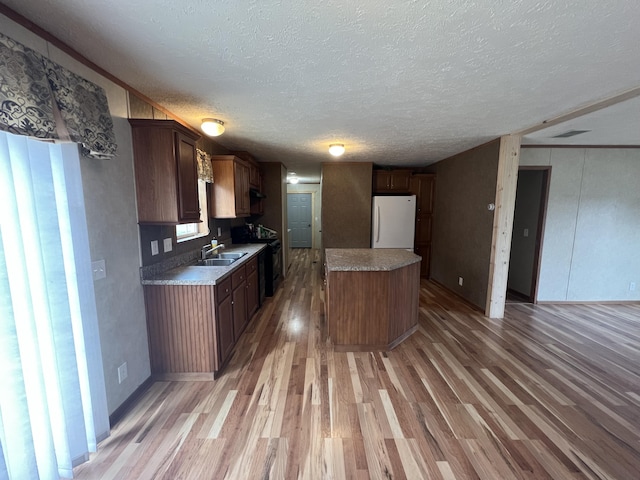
[(368, 259), (200, 275)]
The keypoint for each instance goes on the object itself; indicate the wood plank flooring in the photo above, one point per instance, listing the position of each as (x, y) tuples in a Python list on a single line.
[(550, 392)]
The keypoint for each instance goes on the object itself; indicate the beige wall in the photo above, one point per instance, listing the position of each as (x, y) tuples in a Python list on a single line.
[(462, 225), (346, 205)]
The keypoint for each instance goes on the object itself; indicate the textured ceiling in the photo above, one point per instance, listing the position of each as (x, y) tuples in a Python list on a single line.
[(399, 83)]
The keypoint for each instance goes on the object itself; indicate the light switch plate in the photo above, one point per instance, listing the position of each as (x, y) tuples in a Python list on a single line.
[(168, 246), (122, 372), (154, 247), (219, 232), (99, 269), (526, 232)]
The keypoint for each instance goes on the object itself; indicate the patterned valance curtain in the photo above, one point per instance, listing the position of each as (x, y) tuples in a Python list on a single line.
[(205, 169), (35, 92), (26, 106), (84, 110)]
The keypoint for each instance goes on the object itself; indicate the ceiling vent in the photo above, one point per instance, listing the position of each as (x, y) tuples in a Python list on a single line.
[(571, 133)]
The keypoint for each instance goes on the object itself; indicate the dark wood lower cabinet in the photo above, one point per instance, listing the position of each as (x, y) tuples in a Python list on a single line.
[(253, 294), (239, 307), (239, 300), (193, 329), (226, 340)]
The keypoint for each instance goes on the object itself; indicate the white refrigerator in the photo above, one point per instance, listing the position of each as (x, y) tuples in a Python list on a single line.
[(393, 222)]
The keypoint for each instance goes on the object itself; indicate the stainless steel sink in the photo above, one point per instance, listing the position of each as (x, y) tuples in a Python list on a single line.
[(216, 262), (234, 255)]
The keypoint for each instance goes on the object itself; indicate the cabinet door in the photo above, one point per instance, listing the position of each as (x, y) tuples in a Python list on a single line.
[(253, 294), (254, 177), (399, 181), (239, 303), (224, 321), (241, 172), (381, 181), (422, 186), (188, 205), (423, 229)]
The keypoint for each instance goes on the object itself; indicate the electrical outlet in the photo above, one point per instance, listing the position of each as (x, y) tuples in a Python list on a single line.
[(526, 232), (460, 281), (122, 372), (632, 286), (219, 232), (168, 246), (154, 247), (99, 269)]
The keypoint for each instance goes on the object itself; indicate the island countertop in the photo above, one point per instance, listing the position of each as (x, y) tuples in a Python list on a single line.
[(368, 259)]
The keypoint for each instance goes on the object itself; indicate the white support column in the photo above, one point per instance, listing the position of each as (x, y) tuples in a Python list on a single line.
[(505, 203)]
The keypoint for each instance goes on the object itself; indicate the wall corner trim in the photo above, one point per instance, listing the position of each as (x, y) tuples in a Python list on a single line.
[(506, 183)]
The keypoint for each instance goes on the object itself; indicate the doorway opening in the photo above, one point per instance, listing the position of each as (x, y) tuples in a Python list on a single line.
[(300, 219), (528, 228)]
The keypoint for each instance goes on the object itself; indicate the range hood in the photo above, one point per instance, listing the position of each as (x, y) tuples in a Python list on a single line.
[(253, 193)]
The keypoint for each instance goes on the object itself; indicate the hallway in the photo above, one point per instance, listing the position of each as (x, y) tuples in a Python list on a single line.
[(550, 392)]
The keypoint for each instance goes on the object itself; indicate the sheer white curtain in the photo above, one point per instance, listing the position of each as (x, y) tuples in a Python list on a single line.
[(52, 386)]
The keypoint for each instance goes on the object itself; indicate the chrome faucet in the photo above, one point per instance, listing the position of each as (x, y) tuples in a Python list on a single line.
[(207, 249)]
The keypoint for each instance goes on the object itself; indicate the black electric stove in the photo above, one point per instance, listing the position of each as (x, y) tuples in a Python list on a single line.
[(269, 260)]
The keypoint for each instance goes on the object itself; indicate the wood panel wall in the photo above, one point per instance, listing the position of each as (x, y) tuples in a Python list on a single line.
[(181, 328)]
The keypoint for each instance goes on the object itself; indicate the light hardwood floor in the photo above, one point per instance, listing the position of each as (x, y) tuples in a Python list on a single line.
[(550, 392)]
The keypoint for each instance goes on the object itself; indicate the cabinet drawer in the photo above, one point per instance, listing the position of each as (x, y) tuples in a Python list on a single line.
[(238, 276), (252, 265), (224, 289)]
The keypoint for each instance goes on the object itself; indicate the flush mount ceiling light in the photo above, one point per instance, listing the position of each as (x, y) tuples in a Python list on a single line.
[(336, 149), (212, 126), (292, 178)]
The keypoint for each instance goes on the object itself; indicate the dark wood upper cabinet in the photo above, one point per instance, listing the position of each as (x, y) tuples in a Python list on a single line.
[(230, 192), (188, 204), (256, 203), (166, 172), (422, 187), (391, 181)]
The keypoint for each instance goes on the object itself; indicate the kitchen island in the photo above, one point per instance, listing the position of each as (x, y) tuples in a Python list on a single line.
[(371, 297)]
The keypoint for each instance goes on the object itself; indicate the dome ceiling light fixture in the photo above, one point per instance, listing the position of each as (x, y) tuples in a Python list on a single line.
[(212, 126), (336, 149), (292, 178)]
